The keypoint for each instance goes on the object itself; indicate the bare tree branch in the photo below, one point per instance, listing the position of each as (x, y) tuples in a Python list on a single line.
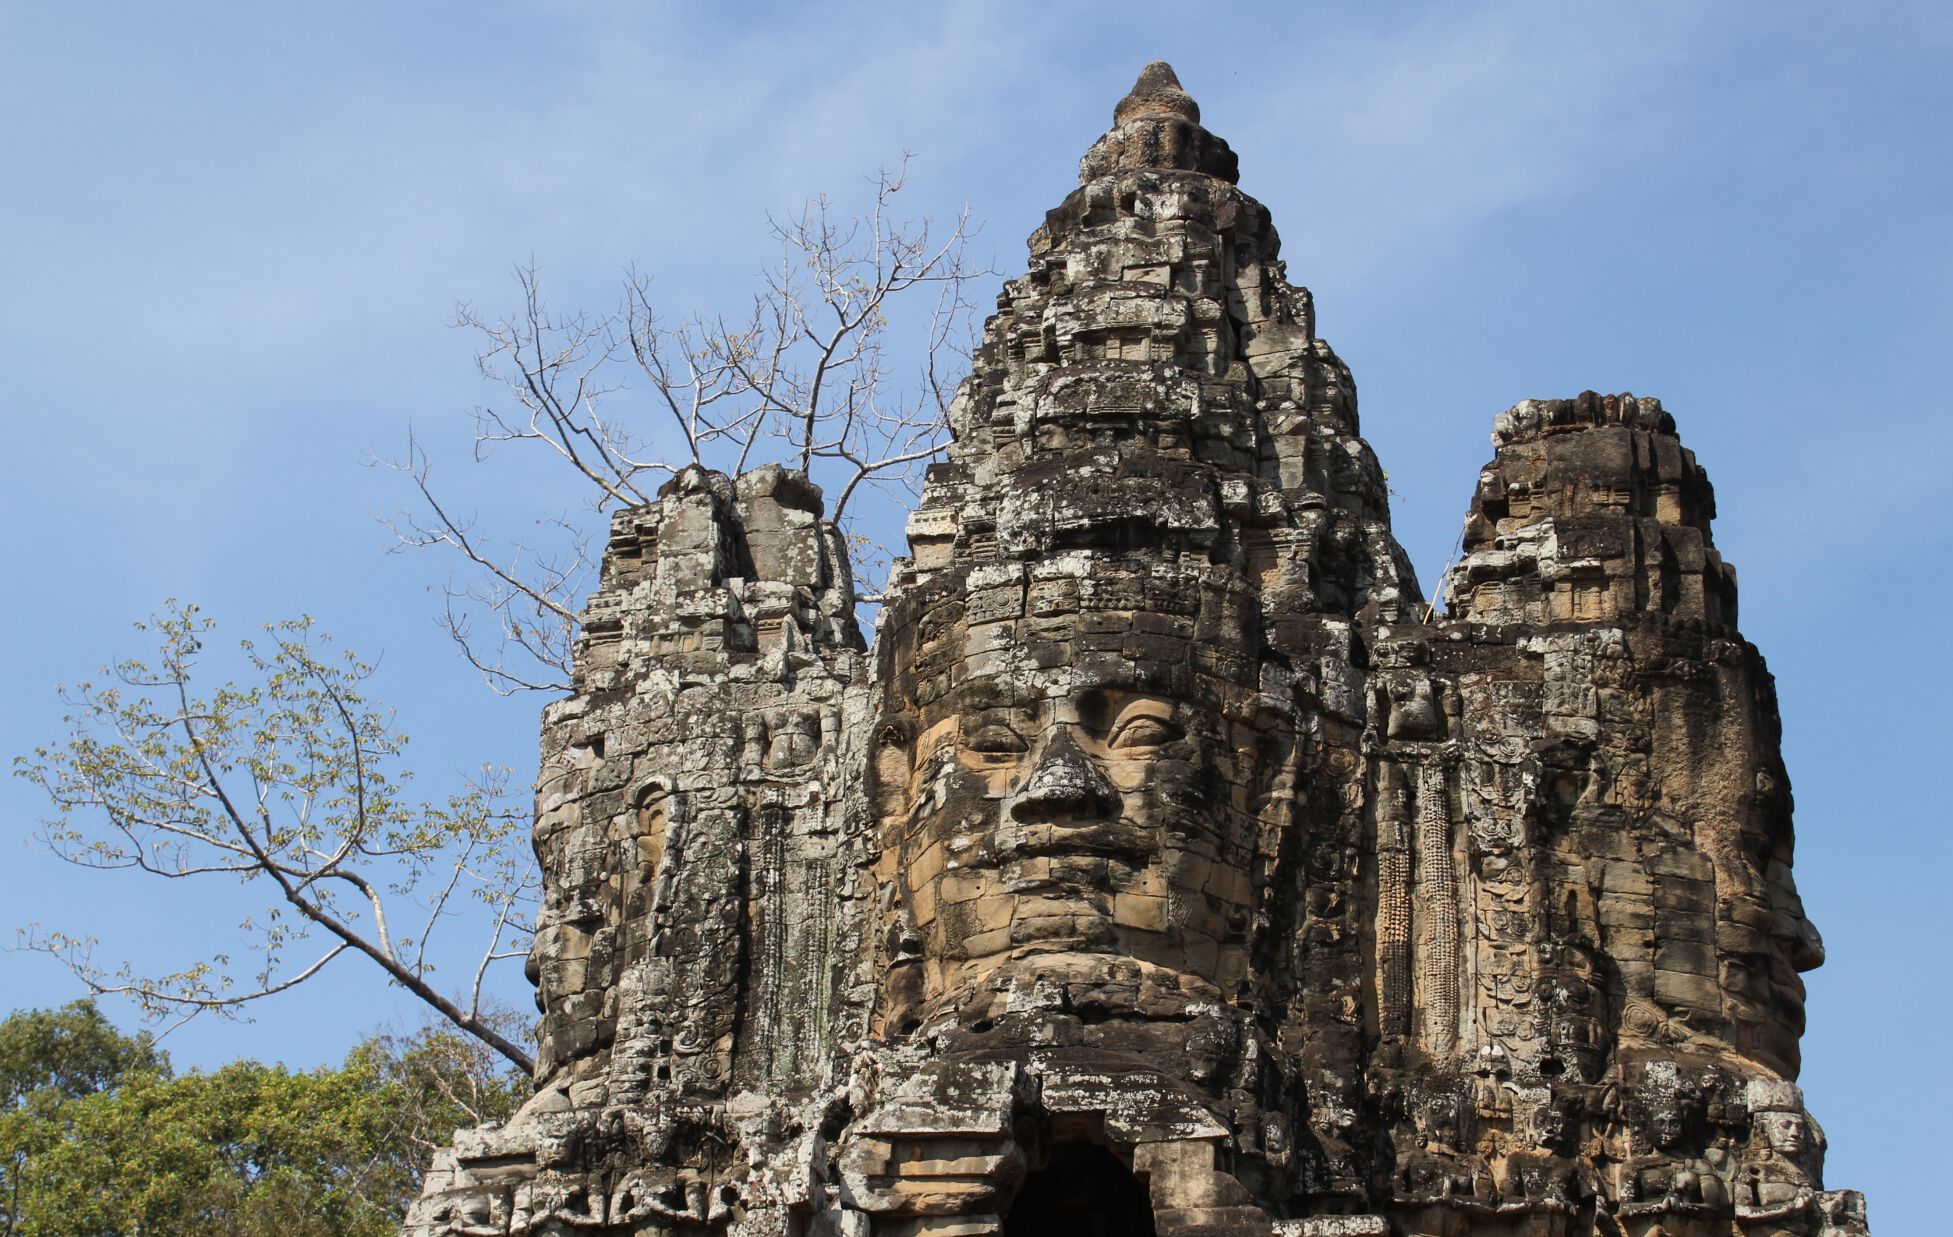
[(531, 597), (836, 368)]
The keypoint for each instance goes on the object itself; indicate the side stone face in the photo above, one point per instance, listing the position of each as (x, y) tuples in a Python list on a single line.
[(1174, 869)]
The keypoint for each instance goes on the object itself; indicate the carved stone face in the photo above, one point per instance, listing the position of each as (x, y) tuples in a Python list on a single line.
[(1072, 810), (1551, 1125), (1667, 1127), (1437, 1121), (1763, 994), (1785, 1132)]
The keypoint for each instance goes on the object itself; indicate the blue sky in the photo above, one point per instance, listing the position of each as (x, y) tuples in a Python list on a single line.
[(233, 236)]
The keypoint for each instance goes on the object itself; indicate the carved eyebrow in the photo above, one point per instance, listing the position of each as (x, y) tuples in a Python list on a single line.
[(1115, 681), (992, 737), (1146, 706), (1011, 717), (1128, 708), (990, 694)]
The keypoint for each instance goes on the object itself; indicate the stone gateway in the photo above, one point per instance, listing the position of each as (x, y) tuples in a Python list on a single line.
[(1169, 866)]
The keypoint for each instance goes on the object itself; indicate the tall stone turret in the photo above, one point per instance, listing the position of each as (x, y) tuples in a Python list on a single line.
[(1174, 869)]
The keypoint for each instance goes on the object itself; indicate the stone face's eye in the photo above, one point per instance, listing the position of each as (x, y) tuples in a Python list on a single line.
[(1144, 731), (995, 740)]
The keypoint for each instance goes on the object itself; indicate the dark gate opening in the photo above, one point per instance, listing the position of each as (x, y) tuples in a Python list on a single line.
[(1082, 1191)]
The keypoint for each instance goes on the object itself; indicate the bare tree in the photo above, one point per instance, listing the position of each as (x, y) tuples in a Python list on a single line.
[(288, 783), (805, 376)]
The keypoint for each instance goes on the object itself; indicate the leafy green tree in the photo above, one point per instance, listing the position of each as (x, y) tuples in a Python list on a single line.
[(289, 781), (69, 1052), (248, 1150)]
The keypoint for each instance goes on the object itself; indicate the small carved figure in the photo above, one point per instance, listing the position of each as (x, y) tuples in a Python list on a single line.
[(1570, 1007), (1543, 1173), (1775, 1178), (1667, 1175), (1414, 712), (1431, 1165)]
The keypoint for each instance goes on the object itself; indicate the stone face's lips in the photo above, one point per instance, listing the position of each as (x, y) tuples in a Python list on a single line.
[(1013, 840)]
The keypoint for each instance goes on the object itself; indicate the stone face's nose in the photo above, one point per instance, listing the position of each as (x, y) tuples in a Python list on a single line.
[(1065, 786), (1156, 93)]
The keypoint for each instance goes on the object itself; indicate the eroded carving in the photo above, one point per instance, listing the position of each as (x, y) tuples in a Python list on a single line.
[(1174, 867)]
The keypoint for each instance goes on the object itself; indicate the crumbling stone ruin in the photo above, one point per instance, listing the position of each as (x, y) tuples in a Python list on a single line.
[(1168, 866)]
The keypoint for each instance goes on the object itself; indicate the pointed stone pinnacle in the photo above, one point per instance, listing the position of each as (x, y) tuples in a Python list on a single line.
[(1156, 93), (1157, 126)]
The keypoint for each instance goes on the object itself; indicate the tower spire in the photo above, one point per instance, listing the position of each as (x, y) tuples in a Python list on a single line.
[(1157, 93), (1157, 126)]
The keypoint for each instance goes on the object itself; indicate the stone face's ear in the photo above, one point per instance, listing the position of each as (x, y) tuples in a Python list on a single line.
[(891, 764)]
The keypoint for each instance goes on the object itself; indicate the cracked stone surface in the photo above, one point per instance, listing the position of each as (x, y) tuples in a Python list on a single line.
[(1168, 865)]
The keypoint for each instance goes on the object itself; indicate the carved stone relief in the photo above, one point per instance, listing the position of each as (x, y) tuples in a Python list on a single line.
[(1169, 866)]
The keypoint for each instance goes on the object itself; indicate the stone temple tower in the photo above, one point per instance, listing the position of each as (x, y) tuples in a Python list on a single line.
[(1169, 865)]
